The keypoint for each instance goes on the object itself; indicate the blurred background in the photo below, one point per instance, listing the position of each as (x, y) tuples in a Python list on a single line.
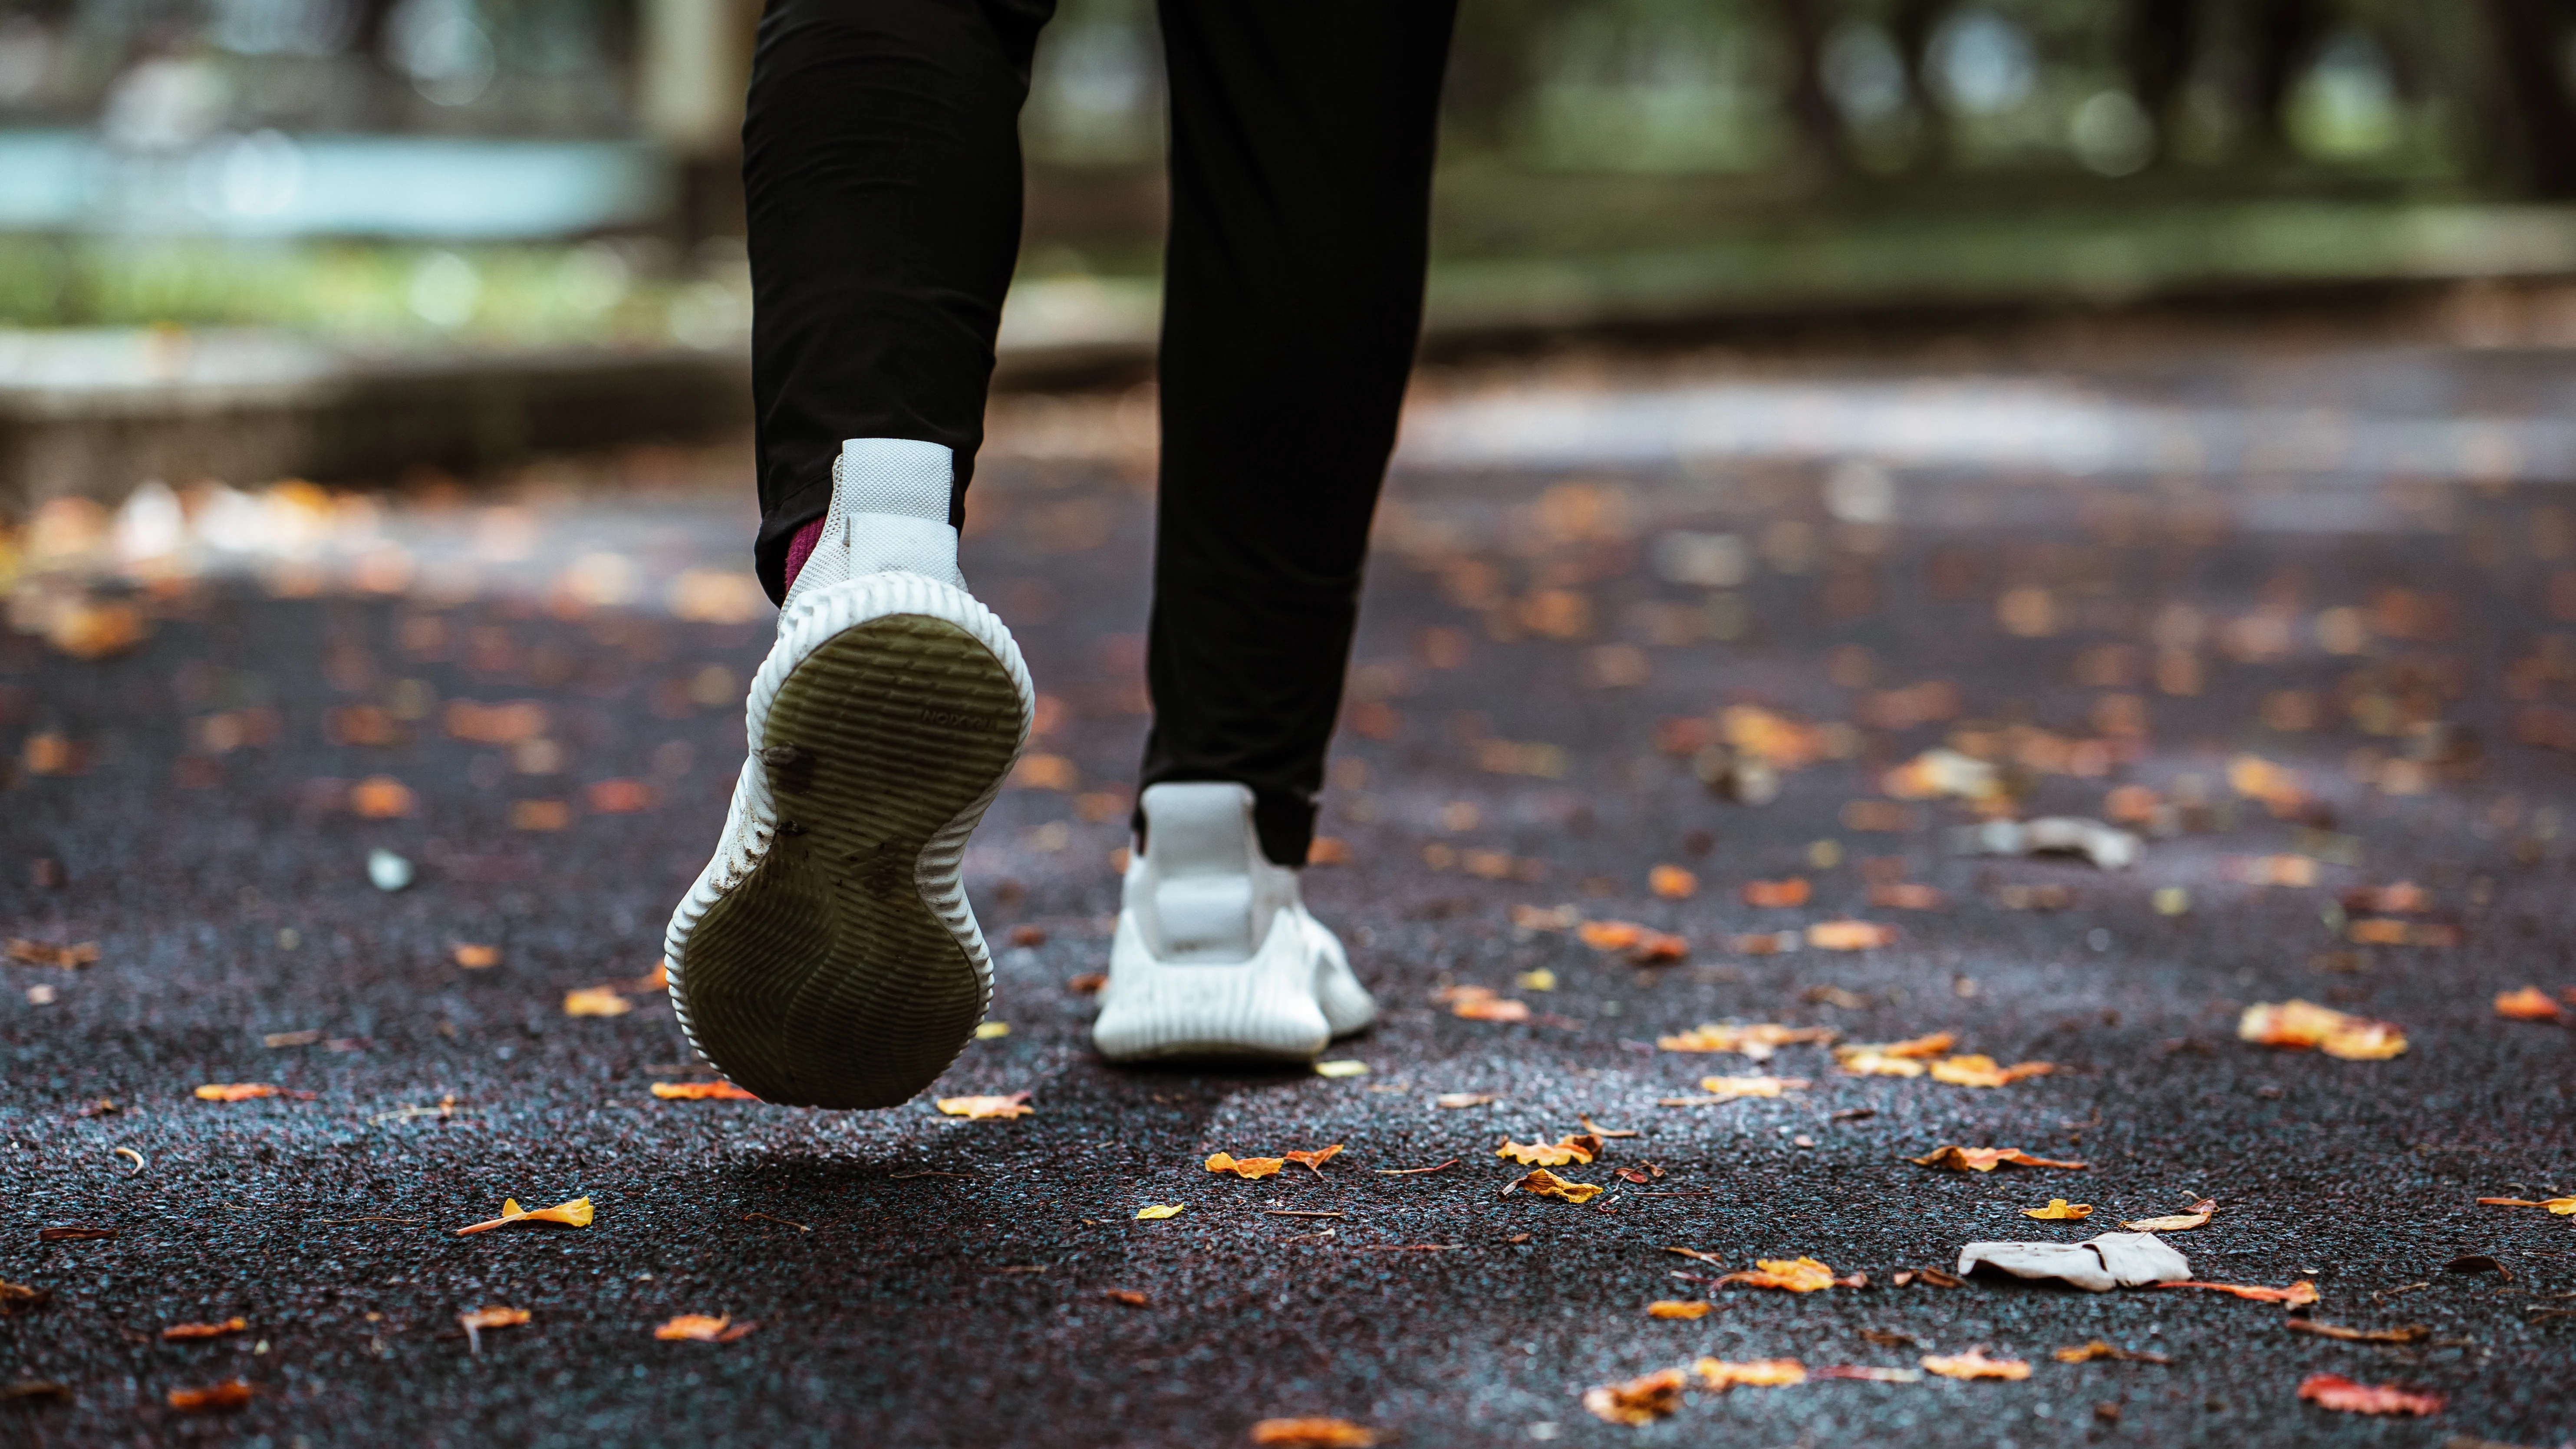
[(231, 194)]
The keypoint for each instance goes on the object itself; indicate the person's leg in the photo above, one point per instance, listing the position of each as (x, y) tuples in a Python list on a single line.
[(1302, 138), (881, 176)]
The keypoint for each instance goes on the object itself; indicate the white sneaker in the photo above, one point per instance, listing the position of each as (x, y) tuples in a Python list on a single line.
[(1215, 953), (827, 957)]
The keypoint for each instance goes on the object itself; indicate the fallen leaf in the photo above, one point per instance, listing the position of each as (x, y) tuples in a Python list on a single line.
[(1834, 996), (1610, 935), (482, 1318), (1862, 1062), (2098, 1349), (477, 958), (1928, 1277), (1729, 1088), (2060, 1210), (1868, 1375), (1758, 1040), (178, 1332), (1089, 983), (2562, 1206), (1776, 893), (1156, 1212), (380, 797), (18, 1297), (1981, 1071), (1678, 1308), (1313, 1161), (596, 1001), (1907, 896), (1672, 882), (1760, 1373), (21, 1389), (2384, 932), (978, 1109), (700, 1328), (1480, 1003), (573, 1214), (1975, 1365), (246, 1092), (1849, 935), (1342, 1068), (1541, 979), (1128, 1296), (1659, 948), (1940, 772), (1695, 1254), (1987, 1159), (1912, 1048), (1246, 1167), (2334, 1391), (1640, 1400), (2297, 1295), (1572, 1148), (992, 1030), (1455, 1100), (44, 953), (1791, 1275), (1600, 1131), (1542, 1183), (2302, 1025), (73, 1233), (2179, 1222), (716, 1091), (2409, 1333), (2528, 1004), (230, 1394), (1313, 1434)]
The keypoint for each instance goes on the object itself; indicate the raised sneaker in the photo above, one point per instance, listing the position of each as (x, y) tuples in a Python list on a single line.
[(1215, 954), (826, 956)]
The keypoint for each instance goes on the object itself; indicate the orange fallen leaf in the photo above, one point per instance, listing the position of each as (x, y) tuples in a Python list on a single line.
[(1313, 1161), (596, 1001), (573, 1214), (1863, 1062), (1659, 948), (1776, 893), (1313, 1434), (1128, 1296), (380, 797), (1934, 1045), (496, 1317), (1672, 882), (1975, 1365), (1483, 1003), (1792, 1275), (2178, 1222), (477, 958), (2383, 932), (1246, 1167), (1576, 1148), (230, 1394), (179, 1331), (1678, 1308), (2297, 1295), (1542, 1183), (2528, 1004), (1610, 935), (246, 1092), (2302, 1025), (978, 1109), (717, 1091), (1732, 1087), (1981, 1071), (1757, 1041), (1987, 1159), (657, 979), (1760, 1373), (1641, 1400), (1849, 935), (2334, 1391), (2089, 1351), (700, 1328), (1907, 896), (2059, 1210), (2401, 899), (45, 953), (2563, 1206)]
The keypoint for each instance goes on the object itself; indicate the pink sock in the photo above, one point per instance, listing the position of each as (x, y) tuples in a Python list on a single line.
[(801, 548)]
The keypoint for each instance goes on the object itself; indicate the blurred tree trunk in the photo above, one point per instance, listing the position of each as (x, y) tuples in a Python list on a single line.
[(1824, 144), (1493, 67), (1913, 25), (2282, 37), (2158, 42), (2529, 114)]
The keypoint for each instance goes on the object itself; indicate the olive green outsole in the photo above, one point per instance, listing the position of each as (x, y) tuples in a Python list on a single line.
[(824, 979)]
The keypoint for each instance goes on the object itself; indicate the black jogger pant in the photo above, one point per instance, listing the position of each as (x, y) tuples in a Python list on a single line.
[(882, 167)]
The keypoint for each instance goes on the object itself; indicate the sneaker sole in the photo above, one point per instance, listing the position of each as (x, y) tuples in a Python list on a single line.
[(831, 976)]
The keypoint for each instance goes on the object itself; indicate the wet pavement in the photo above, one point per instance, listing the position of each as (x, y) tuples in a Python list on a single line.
[(2302, 684)]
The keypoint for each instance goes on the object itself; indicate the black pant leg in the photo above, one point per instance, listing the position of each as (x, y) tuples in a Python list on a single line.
[(881, 171), (1302, 139)]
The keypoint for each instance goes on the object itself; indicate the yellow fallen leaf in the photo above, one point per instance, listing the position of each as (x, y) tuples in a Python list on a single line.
[(1678, 1308), (700, 1328), (1541, 979), (573, 1214), (701, 1092), (1543, 1183), (1761, 1373), (1640, 1400), (242, 1091), (1159, 1211), (2302, 1025), (1981, 1071), (992, 1030), (1861, 1062), (1245, 1167), (1792, 1275), (1730, 1087), (2060, 1210), (596, 1001), (978, 1109), (1313, 1161), (179, 1332), (1849, 935), (2297, 1295), (1342, 1068), (1757, 1040), (1672, 882), (1936, 1044), (1975, 1365), (1313, 1434), (477, 958), (2178, 1222), (1987, 1159), (2563, 1206), (1577, 1149)]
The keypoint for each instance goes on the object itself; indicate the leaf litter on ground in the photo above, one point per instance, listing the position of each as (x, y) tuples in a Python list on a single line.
[(573, 1214), (1987, 1159)]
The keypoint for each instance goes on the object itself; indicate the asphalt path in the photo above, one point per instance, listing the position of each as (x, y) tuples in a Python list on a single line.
[(916, 1278)]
